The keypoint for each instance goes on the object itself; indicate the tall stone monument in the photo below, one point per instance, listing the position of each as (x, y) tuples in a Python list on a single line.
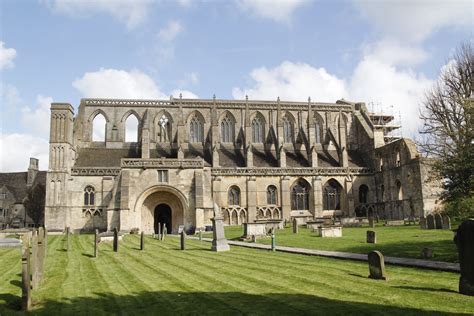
[(464, 240), (219, 242)]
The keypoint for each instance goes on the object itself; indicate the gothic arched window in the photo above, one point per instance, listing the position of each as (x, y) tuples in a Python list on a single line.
[(258, 130), (399, 190), (300, 196), (131, 129), (89, 195), (227, 130), (287, 130), (272, 195), (196, 130), (164, 129), (363, 193), (99, 124), (234, 196), (332, 195)]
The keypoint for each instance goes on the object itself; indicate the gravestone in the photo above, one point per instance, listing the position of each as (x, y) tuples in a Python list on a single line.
[(25, 278), (115, 239), (159, 231), (164, 232), (371, 237), (45, 241), (142, 240), (180, 229), (67, 238), (438, 221), (183, 238), (219, 242), (273, 242), (427, 253), (254, 238), (34, 260), (295, 226), (464, 240), (446, 222), (423, 223), (371, 222), (377, 219), (41, 251), (96, 243), (376, 265), (430, 222)]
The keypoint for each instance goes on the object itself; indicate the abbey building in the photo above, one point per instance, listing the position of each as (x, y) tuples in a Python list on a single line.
[(132, 164)]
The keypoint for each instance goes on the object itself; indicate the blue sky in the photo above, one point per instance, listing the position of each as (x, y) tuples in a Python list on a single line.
[(385, 53)]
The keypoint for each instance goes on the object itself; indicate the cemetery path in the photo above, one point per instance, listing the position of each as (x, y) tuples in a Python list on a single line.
[(406, 262)]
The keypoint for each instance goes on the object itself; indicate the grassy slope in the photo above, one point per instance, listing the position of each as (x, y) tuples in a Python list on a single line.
[(165, 280), (401, 241)]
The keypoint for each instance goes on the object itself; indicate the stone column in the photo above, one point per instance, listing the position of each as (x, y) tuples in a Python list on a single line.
[(317, 197), (199, 194), (251, 198), (349, 199), (285, 197)]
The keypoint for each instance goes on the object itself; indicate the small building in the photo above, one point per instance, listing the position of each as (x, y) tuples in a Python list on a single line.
[(19, 191)]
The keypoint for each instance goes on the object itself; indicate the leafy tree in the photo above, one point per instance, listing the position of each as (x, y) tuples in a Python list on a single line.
[(34, 203), (448, 128)]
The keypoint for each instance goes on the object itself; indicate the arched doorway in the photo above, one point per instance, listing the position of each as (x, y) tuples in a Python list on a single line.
[(162, 216)]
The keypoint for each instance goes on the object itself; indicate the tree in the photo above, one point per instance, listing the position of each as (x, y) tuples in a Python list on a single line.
[(34, 203), (448, 128)]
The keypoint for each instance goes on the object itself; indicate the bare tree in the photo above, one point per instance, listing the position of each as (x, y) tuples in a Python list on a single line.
[(448, 129)]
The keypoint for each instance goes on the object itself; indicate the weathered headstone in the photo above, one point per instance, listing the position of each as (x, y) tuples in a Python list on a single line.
[(164, 232), (371, 237), (295, 226), (446, 222), (376, 265), (219, 242), (34, 260), (25, 277), (423, 223), (273, 242), (159, 231), (183, 238), (96, 243), (438, 221), (430, 221), (142, 240), (427, 253), (371, 222), (464, 240), (115, 239)]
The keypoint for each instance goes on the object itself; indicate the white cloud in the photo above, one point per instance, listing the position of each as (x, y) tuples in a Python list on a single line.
[(277, 10), (130, 12), (9, 96), (293, 81), (395, 53), (6, 56), (37, 120), (16, 149), (415, 20), (170, 31), (184, 93)]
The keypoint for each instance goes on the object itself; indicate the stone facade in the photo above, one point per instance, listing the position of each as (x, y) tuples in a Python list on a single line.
[(255, 159)]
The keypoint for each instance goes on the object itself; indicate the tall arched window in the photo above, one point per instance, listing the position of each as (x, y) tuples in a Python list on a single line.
[(287, 130), (234, 196), (272, 195), (89, 196), (399, 190), (196, 130), (227, 129), (300, 196), (164, 129), (131, 129), (258, 130), (98, 128), (332, 195), (363, 193)]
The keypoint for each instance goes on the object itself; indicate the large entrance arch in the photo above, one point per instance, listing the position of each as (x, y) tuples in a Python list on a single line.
[(162, 204)]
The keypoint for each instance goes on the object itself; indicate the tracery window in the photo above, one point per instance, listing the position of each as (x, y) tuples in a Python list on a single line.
[(287, 130), (271, 195), (89, 195), (258, 128), (164, 129), (363, 193), (234, 196), (300, 196), (196, 130), (332, 195), (227, 130)]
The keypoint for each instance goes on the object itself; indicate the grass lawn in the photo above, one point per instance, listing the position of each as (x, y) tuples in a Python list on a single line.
[(397, 241), (164, 280)]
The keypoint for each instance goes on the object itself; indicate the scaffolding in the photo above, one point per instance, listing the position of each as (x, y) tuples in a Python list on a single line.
[(388, 123)]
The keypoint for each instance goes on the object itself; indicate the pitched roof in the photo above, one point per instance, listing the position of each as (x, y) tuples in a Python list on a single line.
[(15, 182)]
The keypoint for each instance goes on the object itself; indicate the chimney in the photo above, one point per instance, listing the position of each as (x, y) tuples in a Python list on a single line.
[(32, 171)]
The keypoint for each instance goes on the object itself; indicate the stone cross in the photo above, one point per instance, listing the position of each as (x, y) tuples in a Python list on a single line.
[(430, 221), (464, 240), (115, 239), (96, 243), (376, 265), (295, 226), (371, 237), (423, 223), (183, 238), (25, 278), (142, 240), (446, 222), (438, 221)]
